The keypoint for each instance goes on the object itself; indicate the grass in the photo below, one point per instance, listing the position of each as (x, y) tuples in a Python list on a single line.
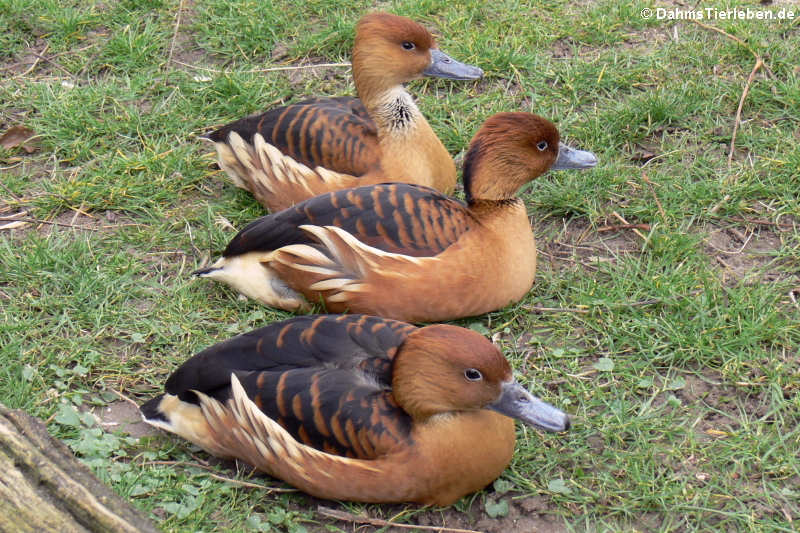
[(676, 351)]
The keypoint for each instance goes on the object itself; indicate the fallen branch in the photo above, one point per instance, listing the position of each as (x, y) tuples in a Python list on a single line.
[(538, 309), (587, 309), (761, 222), (738, 120), (251, 485), (17, 223), (734, 38), (51, 222), (636, 231), (36, 60), (269, 69), (175, 32), (350, 517), (124, 398), (57, 65), (53, 56), (645, 227), (655, 197), (759, 64)]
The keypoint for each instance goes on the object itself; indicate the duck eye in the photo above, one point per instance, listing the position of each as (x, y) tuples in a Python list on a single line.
[(542, 146), (408, 45), (472, 375)]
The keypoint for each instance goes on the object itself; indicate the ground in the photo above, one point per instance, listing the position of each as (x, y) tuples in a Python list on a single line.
[(665, 310)]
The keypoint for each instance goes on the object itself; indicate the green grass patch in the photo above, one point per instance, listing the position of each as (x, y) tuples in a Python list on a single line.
[(676, 349)]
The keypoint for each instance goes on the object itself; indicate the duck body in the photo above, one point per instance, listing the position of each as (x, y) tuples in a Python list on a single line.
[(295, 152), (385, 265), (354, 407), (404, 251)]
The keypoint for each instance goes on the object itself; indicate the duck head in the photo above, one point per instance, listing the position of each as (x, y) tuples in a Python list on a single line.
[(443, 369), (512, 149), (390, 50)]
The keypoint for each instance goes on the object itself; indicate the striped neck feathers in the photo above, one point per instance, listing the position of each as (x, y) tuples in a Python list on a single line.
[(394, 111)]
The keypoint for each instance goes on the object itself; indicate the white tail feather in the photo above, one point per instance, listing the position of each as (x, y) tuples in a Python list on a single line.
[(329, 284), (347, 263), (242, 150)]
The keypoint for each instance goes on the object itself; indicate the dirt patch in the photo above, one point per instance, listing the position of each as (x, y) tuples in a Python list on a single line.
[(184, 51), (509, 86), (525, 515), (745, 251), (567, 244), (740, 250), (300, 77), (648, 41), (27, 60), (708, 388), (567, 48), (123, 417), (701, 388), (71, 220)]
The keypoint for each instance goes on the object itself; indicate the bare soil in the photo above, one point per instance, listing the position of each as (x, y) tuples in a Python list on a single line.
[(125, 418)]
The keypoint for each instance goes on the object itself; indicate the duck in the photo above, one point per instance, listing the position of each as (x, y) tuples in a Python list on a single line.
[(405, 251), (295, 152), (356, 407)]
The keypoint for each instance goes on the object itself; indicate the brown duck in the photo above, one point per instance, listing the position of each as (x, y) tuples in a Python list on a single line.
[(353, 407), (292, 153)]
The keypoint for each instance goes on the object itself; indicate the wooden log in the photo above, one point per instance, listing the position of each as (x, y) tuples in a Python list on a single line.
[(43, 487)]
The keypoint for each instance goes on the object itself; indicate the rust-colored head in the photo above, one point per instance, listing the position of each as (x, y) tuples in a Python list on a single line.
[(508, 151), (389, 50), (512, 149), (444, 368)]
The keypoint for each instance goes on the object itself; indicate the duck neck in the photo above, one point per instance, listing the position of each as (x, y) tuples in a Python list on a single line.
[(490, 178), (485, 190), (393, 110), (382, 92), (418, 384), (402, 129)]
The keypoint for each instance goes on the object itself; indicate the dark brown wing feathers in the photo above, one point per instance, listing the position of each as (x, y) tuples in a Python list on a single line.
[(335, 133), (330, 409), (393, 217), (326, 379)]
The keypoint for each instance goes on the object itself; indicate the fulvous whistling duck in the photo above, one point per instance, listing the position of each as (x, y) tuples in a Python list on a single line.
[(403, 251), (353, 407), (381, 137)]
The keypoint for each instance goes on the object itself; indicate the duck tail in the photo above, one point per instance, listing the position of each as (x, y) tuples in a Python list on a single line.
[(251, 275), (170, 413), (276, 180), (236, 158), (341, 270)]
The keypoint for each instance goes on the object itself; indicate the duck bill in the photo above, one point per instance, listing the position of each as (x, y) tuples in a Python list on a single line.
[(570, 158), (516, 402), (444, 66)]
